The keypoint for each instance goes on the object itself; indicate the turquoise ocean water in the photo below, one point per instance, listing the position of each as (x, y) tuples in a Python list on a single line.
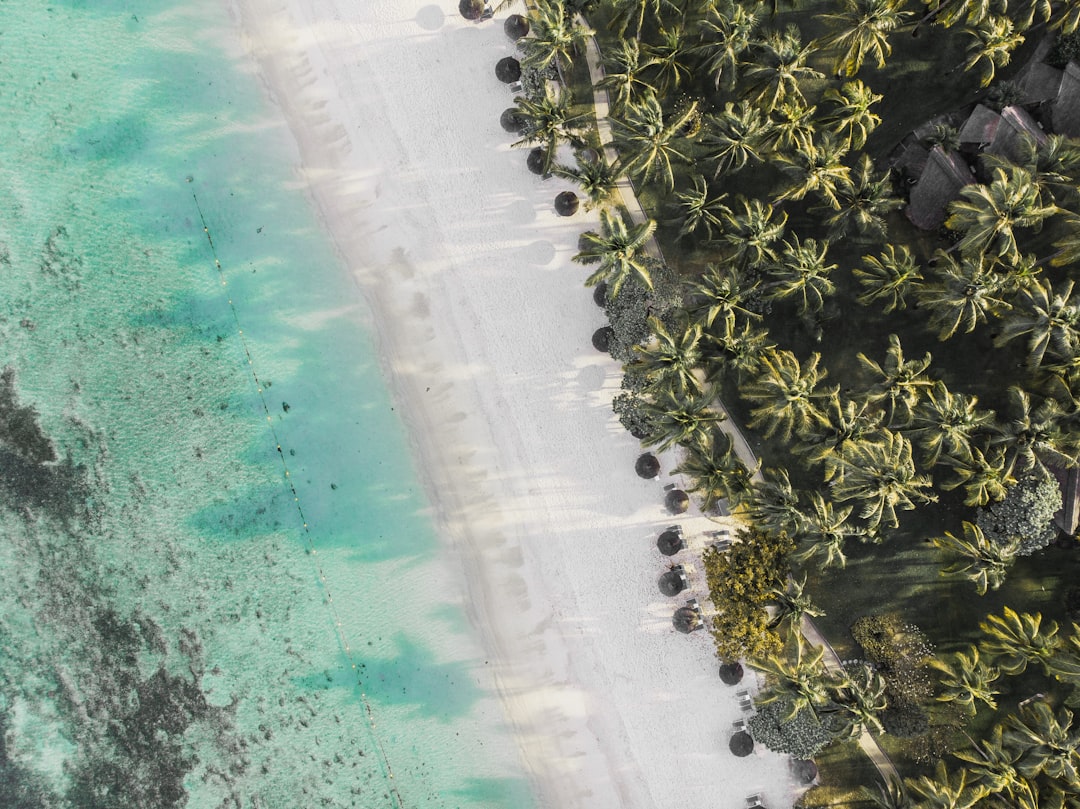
[(218, 583)]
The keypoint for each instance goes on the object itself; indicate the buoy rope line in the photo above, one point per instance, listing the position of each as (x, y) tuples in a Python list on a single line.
[(388, 772)]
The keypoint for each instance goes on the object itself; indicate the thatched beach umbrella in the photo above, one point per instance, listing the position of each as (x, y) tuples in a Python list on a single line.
[(599, 294), (537, 161), (601, 338), (673, 582), (741, 744), (677, 501), (804, 770), (647, 466), (471, 9), (588, 155), (686, 619), (516, 26), (671, 541), (731, 673), (566, 203), (513, 121), (508, 69)]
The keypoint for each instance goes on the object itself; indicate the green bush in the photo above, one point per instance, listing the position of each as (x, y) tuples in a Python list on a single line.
[(1026, 512), (1065, 49), (802, 736)]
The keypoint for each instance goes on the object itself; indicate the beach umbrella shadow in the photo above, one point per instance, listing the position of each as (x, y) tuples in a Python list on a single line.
[(430, 18)]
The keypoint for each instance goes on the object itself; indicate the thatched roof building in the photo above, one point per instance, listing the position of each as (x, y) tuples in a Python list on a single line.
[(1065, 110), (944, 175)]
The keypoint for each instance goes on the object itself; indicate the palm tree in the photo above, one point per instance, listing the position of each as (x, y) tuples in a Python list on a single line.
[(797, 677), (672, 357), (744, 347), (596, 178), (888, 278), (792, 602), (752, 232), (1023, 12), (899, 384), (947, 422), (881, 475), (1050, 320), (989, 215), (945, 790), (967, 679), (983, 561), (548, 122), (632, 13), (890, 794), (720, 293), (993, 41), (993, 764), (801, 272), (1015, 639), (792, 128), (862, 29), (1034, 433), (726, 36), (774, 504), (618, 249), (624, 70), (1047, 744), (1064, 665), (1068, 246), (778, 66), (823, 531), (716, 471), (671, 59), (964, 293), (734, 137), (784, 394), (818, 169), (984, 473), (555, 37), (864, 202), (1067, 19), (843, 424), (699, 210), (860, 697), (852, 117), (646, 140), (679, 419), (1054, 163)]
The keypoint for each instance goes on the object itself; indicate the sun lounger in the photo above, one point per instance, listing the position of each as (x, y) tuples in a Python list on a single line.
[(746, 702), (754, 802)]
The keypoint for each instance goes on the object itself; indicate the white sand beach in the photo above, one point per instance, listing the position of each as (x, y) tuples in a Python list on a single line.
[(484, 328)]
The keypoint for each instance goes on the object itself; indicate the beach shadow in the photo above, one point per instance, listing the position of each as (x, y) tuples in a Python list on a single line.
[(430, 18), (520, 212), (413, 678), (538, 253)]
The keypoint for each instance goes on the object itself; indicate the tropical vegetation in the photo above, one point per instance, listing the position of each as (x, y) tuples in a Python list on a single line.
[(905, 366)]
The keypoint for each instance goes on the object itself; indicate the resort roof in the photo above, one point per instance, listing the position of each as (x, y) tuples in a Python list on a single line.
[(912, 160), (939, 184), (1040, 82), (1016, 126), (1065, 114), (980, 127)]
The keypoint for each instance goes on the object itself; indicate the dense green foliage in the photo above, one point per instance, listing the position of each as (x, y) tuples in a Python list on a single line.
[(907, 389)]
